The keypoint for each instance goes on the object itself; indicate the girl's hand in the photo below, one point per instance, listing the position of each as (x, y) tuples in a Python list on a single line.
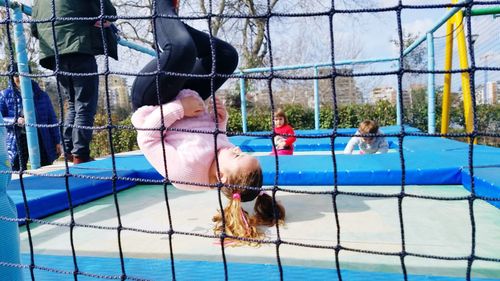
[(281, 145), (193, 106), (221, 109)]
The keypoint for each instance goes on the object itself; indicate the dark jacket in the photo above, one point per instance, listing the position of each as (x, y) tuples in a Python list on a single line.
[(10, 100), (74, 36)]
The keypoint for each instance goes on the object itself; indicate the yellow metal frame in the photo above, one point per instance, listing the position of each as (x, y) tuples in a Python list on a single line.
[(456, 21)]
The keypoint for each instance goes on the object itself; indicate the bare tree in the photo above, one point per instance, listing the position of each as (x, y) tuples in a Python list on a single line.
[(138, 30), (252, 28)]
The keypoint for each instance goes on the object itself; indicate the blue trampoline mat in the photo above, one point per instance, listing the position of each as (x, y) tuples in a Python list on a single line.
[(311, 140), (427, 161), (155, 269)]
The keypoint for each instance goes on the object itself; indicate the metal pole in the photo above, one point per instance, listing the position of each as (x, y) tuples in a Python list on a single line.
[(485, 92), (431, 103), (485, 11), (243, 103), (448, 62), (26, 90), (136, 47), (399, 119), (316, 99), (464, 64)]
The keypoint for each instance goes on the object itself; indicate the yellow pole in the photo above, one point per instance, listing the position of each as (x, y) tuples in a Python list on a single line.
[(448, 55), (464, 64)]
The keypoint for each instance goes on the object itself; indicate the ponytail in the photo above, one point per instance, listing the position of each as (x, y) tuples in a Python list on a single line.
[(238, 223), (265, 211)]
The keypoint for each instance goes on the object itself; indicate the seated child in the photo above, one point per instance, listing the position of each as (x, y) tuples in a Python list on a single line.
[(367, 144), (190, 161), (285, 139)]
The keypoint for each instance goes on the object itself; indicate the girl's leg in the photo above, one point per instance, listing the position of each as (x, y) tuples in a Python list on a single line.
[(226, 61), (178, 56), (285, 152)]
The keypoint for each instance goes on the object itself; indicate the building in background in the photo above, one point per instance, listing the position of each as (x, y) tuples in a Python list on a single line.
[(390, 94), (488, 95), (384, 93), (117, 90), (346, 91)]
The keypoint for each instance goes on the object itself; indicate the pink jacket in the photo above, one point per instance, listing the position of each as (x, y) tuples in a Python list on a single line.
[(188, 155)]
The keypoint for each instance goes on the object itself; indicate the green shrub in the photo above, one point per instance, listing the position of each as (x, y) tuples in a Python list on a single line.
[(299, 116), (349, 116), (124, 137)]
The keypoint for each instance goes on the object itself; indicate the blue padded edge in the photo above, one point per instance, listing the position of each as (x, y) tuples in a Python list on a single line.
[(486, 183), (47, 194), (156, 269)]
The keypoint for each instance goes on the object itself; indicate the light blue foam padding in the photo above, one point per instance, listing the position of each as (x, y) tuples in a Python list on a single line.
[(261, 142), (486, 183), (47, 194), (156, 270), (9, 231)]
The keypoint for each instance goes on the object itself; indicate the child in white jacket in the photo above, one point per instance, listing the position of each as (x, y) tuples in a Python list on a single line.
[(367, 144)]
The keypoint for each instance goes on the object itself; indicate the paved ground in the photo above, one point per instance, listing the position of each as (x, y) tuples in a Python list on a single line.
[(431, 227)]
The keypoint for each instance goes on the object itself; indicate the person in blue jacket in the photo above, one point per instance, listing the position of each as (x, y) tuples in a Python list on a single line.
[(49, 138)]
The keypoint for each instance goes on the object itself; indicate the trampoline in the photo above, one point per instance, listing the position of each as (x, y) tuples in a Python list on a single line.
[(436, 214), (427, 210), (367, 223)]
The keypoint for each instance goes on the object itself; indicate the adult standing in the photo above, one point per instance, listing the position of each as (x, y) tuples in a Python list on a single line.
[(78, 41), (49, 139)]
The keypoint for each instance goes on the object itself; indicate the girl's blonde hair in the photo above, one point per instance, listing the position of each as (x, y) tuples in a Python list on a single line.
[(238, 222)]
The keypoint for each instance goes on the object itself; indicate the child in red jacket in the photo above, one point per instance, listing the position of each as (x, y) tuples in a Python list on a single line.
[(284, 138)]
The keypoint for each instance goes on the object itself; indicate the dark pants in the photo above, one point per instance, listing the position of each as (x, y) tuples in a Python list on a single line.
[(82, 93), (185, 50), (22, 155)]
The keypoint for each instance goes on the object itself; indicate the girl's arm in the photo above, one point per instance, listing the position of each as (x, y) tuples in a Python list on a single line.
[(148, 119), (350, 145), (291, 139), (384, 146)]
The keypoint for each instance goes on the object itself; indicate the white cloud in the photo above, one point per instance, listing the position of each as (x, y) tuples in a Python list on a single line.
[(420, 26)]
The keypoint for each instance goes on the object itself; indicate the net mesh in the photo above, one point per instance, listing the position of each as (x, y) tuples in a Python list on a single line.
[(267, 85)]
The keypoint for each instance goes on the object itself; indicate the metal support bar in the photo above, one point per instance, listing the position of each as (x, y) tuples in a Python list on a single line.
[(243, 101), (26, 90), (316, 99), (431, 96)]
